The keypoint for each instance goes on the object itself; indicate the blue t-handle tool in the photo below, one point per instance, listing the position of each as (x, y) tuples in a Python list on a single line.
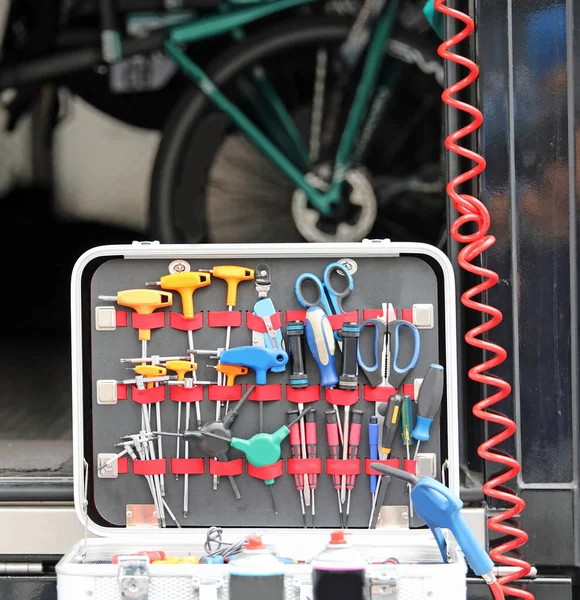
[(320, 338), (440, 508), (261, 360), (273, 337)]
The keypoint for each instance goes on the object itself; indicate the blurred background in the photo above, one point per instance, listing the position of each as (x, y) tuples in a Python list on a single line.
[(105, 139)]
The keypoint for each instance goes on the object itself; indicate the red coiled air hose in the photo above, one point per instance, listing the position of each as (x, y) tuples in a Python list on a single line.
[(472, 211)]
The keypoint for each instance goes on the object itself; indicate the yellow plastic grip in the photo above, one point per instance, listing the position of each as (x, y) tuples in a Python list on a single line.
[(144, 302), (181, 367), (185, 284), (231, 372), (150, 371), (232, 275)]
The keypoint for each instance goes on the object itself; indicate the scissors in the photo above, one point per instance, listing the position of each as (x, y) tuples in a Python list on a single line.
[(327, 296), (386, 368)]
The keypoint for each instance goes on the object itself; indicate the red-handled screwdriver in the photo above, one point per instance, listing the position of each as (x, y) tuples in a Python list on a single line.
[(295, 448), (310, 428), (334, 450), (353, 448)]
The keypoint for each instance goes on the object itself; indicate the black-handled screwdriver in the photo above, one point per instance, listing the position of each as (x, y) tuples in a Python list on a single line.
[(392, 413), (428, 403)]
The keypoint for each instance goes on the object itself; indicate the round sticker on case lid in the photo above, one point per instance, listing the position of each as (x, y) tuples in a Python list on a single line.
[(179, 266), (350, 264)]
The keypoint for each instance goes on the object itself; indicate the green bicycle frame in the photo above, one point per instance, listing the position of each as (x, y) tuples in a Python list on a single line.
[(229, 21)]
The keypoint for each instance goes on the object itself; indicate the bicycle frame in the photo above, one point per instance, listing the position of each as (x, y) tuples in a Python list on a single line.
[(284, 130)]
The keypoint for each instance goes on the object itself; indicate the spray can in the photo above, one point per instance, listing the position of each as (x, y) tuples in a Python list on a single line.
[(339, 571), (256, 573)]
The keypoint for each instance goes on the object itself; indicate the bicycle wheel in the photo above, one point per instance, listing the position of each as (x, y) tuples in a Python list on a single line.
[(211, 184)]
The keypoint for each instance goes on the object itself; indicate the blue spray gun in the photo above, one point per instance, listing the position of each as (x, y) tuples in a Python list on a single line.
[(440, 508)]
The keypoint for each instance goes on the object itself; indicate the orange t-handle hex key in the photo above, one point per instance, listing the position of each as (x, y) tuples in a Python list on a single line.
[(143, 302), (185, 284)]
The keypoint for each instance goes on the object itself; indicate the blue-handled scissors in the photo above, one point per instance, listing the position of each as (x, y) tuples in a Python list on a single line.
[(387, 350), (327, 296)]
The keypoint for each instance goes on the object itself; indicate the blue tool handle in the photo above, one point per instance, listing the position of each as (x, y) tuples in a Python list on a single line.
[(320, 339), (320, 297), (265, 308), (337, 296), (421, 429), (416, 348), (373, 449), (374, 372), (257, 358), (440, 508), (398, 373)]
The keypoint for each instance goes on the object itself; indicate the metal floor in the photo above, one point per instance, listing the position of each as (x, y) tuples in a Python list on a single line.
[(37, 253)]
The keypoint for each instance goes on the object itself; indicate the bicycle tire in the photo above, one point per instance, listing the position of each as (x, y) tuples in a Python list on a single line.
[(189, 112)]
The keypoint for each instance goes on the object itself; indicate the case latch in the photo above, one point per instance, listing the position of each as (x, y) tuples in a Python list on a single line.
[(208, 589), (383, 589), (133, 576)]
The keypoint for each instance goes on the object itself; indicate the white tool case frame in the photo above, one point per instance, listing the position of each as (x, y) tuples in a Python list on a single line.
[(86, 570)]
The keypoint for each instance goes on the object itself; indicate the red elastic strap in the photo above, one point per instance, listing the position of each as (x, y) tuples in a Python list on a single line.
[(304, 395), (337, 321), (410, 466), (148, 396), (372, 313), (266, 393), (335, 466), (266, 473), (341, 397), (224, 393), (256, 323), (122, 465), (187, 466), (121, 318), (378, 394), (227, 468), (388, 462), (178, 321), (121, 391), (179, 393), (224, 318), (295, 315), (407, 314), (304, 466), (382, 394), (150, 467), (153, 321)]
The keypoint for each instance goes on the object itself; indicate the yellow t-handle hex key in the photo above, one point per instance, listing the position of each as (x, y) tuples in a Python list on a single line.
[(233, 276), (143, 302), (184, 284), (154, 371), (181, 367)]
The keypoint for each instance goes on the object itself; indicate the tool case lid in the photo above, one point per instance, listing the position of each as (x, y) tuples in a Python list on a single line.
[(250, 253)]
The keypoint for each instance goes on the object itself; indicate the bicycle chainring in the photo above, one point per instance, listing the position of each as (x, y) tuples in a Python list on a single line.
[(362, 205)]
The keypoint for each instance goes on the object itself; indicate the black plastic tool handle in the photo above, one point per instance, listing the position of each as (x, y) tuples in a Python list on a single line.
[(349, 334), (431, 392), (392, 413)]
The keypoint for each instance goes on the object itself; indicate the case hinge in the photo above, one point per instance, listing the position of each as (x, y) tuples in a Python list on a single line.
[(21, 568), (133, 576), (208, 589)]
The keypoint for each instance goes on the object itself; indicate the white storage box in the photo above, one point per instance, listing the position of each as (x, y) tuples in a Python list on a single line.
[(406, 275)]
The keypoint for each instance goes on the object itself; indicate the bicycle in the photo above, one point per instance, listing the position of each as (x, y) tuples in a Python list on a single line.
[(338, 177)]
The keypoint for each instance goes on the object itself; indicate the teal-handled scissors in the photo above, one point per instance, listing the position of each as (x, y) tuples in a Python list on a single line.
[(328, 297)]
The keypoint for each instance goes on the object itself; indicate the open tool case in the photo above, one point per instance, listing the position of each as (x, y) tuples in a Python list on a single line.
[(113, 496)]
